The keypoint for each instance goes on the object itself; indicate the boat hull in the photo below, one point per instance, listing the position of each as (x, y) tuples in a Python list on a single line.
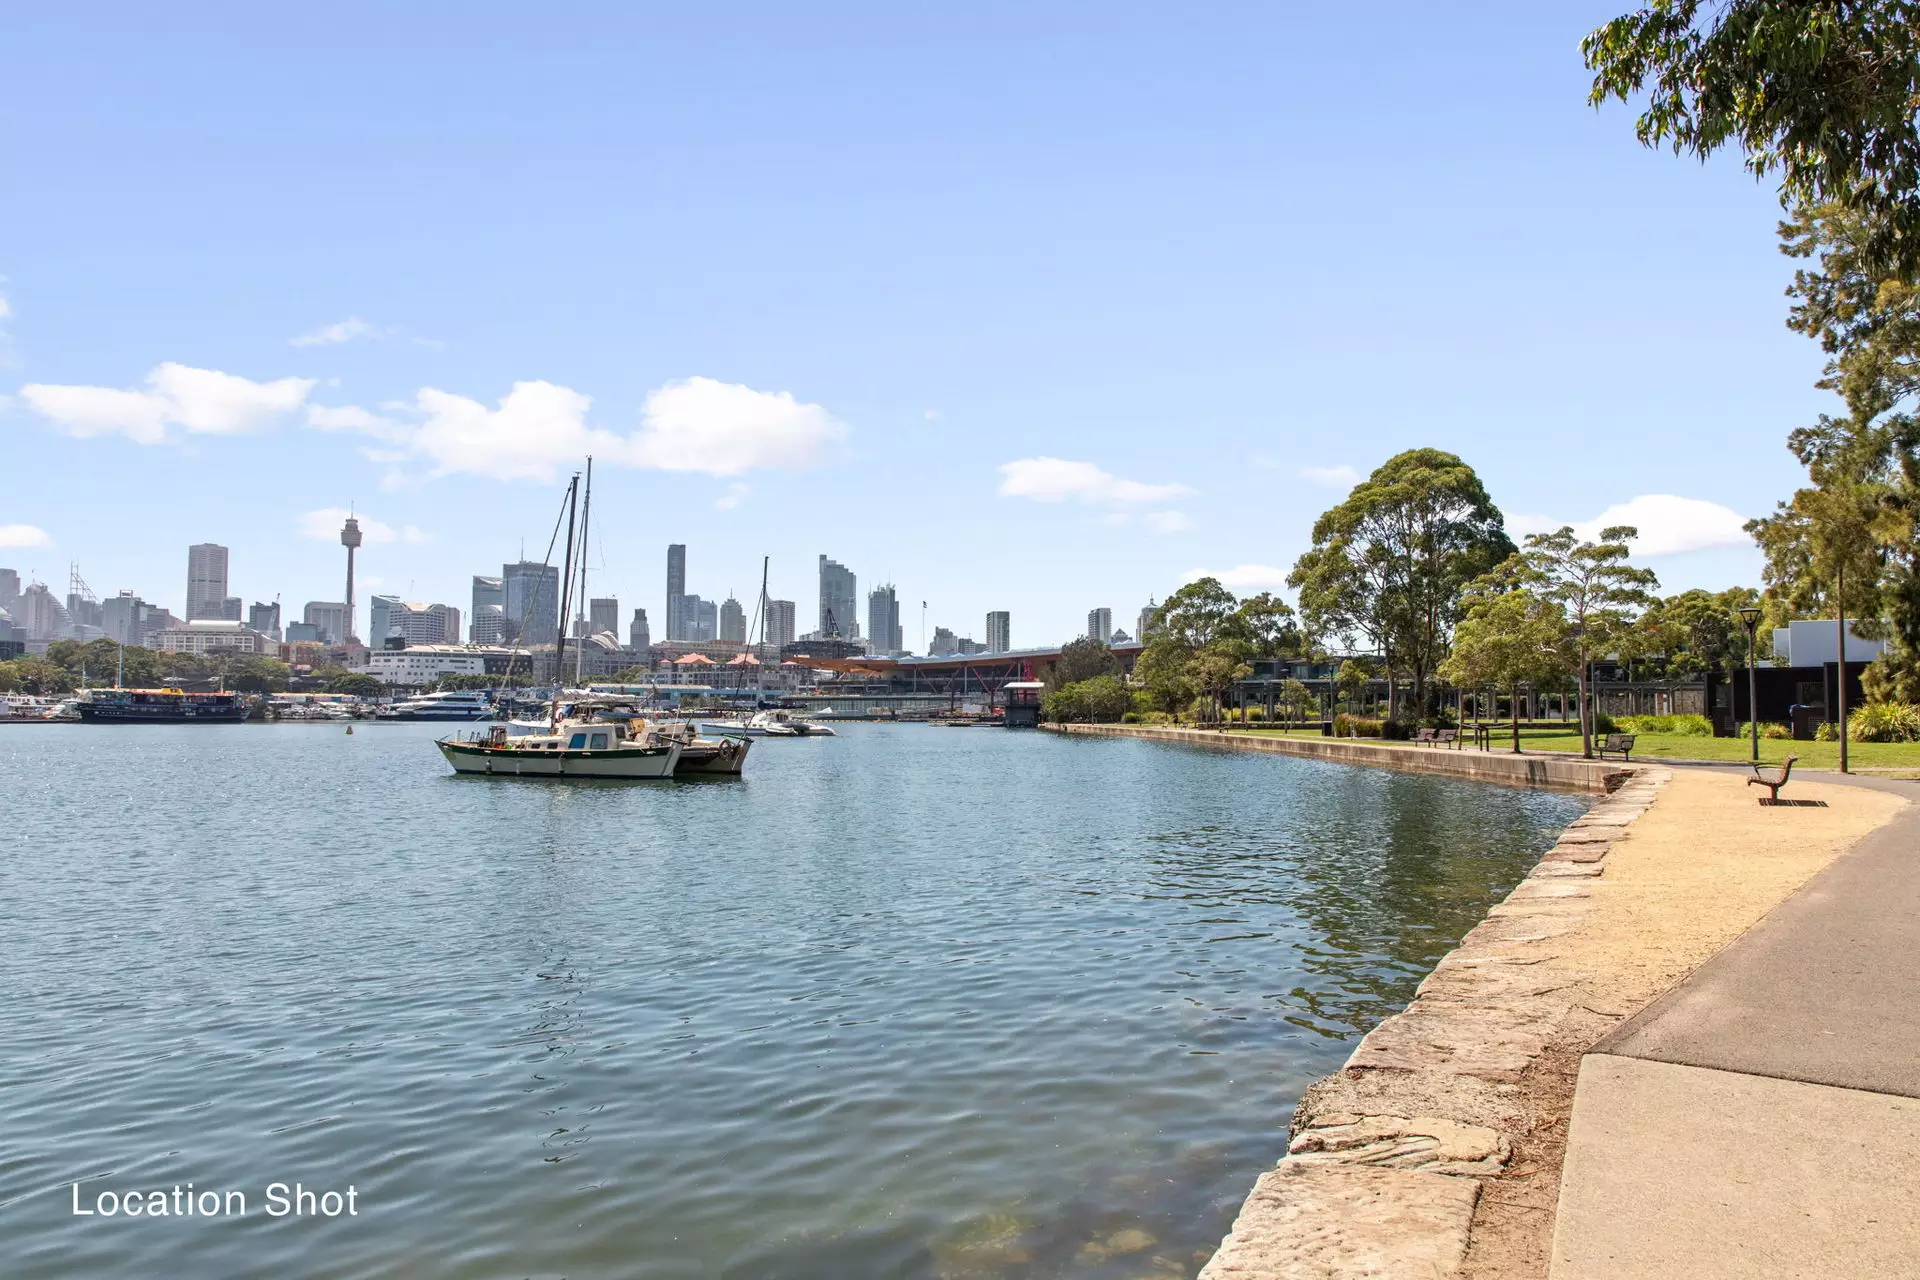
[(729, 757), (235, 714), (622, 763)]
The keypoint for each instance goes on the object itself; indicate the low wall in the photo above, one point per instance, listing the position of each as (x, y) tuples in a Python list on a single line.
[(1567, 773)]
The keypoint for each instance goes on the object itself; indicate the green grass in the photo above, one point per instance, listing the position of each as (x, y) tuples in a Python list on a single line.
[(1654, 746)]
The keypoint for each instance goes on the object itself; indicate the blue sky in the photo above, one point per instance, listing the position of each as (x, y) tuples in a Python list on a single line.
[(854, 279)]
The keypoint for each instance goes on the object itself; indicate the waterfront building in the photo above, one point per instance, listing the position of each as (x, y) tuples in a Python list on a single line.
[(883, 620), (489, 610), (207, 581), (733, 622), (838, 601), (1100, 625), (328, 615), (676, 591), (638, 637), (264, 618), (999, 631), (532, 593), (212, 635), (780, 624), (416, 665), (603, 614)]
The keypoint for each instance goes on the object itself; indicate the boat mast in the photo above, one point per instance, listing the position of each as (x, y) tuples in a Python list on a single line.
[(760, 665), (566, 594), (586, 515)]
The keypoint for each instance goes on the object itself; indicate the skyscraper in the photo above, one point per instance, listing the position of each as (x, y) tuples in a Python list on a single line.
[(489, 610), (206, 580), (780, 623), (125, 617), (1146, 620), (1100, 625), (733, 621), (330, 616), (703, 619), (839, 600), (603, 614), (883, 620), (265, 618), (638, 636), (532, 607), (380, 619), (9, 587), (676, 591), (350, 539), (999, 631)]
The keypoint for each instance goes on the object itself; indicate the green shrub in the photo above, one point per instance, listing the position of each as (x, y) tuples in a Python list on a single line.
[(1399, 730), (1824, 732), (1604, 723), (1130, 717), (1679, 726), (1771, 729), (1885, 722), (1351, 726)]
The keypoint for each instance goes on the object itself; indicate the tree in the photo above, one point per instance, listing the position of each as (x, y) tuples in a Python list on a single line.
[(1162, 673), (1699, 633), (1391, 561), (1820, 91), (1510, 637), (1082, 659), (257, 675), (1353, 677), (1600, 594), (1201, 641), (355, 683), (35, 676), (1295, 695), (1270, 626)]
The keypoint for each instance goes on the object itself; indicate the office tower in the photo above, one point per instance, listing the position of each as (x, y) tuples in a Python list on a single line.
[(603, 614), (125, 618), (702, 619), (305, 633), (9, 588), (838, 600), (999, 631), (733, 621), (532, 602), (265, 618), (883, 620), (489, 609), (638, 637), (380, 619), (489, 625), (330, 616), (676, 591), (781, 617), (350, 539), (944, 643), (415, 622), (1146, 619), (206, 580), (1100, 625)]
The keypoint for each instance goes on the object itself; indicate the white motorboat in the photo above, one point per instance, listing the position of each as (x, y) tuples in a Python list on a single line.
[(570, 749), (453, 704), (781, 723)]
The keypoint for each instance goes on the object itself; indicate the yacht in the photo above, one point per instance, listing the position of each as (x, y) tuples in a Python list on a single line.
[(454, 704), (570, 749), (780, 723), (160, 706)]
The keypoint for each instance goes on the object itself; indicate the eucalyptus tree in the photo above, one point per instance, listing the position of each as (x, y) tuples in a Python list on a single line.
[(1391, 561), (1510, 637)]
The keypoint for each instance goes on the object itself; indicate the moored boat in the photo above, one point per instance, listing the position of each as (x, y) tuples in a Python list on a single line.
[(451, 704), (572, 749), (160, 706)]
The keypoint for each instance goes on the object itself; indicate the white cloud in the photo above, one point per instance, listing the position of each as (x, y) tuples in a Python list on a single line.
[(1243, 577), (24, 535), (6, 309), (697, 424), (1056, 479), (340, 331), (201, 401), (1668, 525), (324, 525), (1168, 521), (1341, 476), (732, 498)]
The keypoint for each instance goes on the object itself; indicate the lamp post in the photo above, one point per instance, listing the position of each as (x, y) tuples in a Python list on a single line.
[(1750, 619)]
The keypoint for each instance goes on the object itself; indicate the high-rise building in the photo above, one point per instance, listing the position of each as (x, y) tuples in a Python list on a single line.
[(206, 580), (380, 619), (839, 595), (350, 539), (489, 610), (603, 614), (883, 620), (415, 622), (676, 591), (305, 633), (944, 643), (733, 622), (40, 612), (330, 616), (127, 618), (1146, 619), (638, 636), (532, 602), (701, 618), (1100, 625), (265, 618), (780, 623), (999, 631), (9, 588)]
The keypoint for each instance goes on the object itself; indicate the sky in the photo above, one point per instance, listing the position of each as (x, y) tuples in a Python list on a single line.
[(1014, 306)]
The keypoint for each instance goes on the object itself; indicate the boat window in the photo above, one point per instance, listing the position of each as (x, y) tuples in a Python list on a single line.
[(577, 742), (599, 742)]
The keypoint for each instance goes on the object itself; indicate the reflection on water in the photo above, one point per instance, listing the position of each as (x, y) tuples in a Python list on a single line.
[(909, 1002)]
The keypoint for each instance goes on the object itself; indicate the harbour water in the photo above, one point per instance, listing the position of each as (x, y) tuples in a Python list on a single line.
[(909, 1002)]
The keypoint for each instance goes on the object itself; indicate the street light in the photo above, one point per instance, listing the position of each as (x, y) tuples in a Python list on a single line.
[(1750, 619)]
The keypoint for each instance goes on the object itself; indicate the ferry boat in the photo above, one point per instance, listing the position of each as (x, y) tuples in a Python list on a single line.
[(454, 704), (160, 706), (571, 749)]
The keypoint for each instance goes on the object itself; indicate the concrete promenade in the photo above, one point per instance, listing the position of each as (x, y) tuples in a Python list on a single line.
[(1762, 1119)]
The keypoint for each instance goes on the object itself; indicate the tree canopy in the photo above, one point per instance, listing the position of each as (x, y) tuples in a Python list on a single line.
[(1510, 637)]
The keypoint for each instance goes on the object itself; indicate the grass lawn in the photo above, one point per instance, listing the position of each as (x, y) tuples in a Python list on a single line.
[(1654, 746)]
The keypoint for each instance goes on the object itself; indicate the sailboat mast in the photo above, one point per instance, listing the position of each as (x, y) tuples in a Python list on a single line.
[(566, 597), (586, 515), (760, 671)]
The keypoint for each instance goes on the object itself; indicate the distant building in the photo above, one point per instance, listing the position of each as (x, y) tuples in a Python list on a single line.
[(603, 614), (489, 613), (1146, 621), (39, 614), (883, 620), (1815, 642), (9, 588), (699, 620), (839, 601), (328, 615), (676, 591), (532, 602), (127, 618), (999, 631), (265, 618), (732, 622), (379, 622), (1100, 625), (207, 582), (1120, 637), (417, 665), (780, 623), (212, 635), (944, 643), (638, 636), (416, 622), (305, 633)]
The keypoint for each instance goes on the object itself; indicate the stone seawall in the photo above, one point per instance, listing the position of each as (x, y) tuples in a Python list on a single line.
[(1568, 773)]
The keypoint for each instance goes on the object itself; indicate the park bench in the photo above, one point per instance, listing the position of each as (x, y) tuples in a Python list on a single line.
[(1621, 742), (1424, 738), (1447, 738), (1772, 780)]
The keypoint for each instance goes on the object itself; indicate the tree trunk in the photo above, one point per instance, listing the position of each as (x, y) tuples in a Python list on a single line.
[(1840, 676), (1586, 725), (1515, 708)]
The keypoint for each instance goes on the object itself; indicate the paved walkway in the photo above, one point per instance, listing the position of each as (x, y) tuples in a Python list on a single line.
[(1763, 1118)]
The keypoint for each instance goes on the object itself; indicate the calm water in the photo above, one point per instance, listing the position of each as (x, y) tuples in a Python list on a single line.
[(910, 1002)]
